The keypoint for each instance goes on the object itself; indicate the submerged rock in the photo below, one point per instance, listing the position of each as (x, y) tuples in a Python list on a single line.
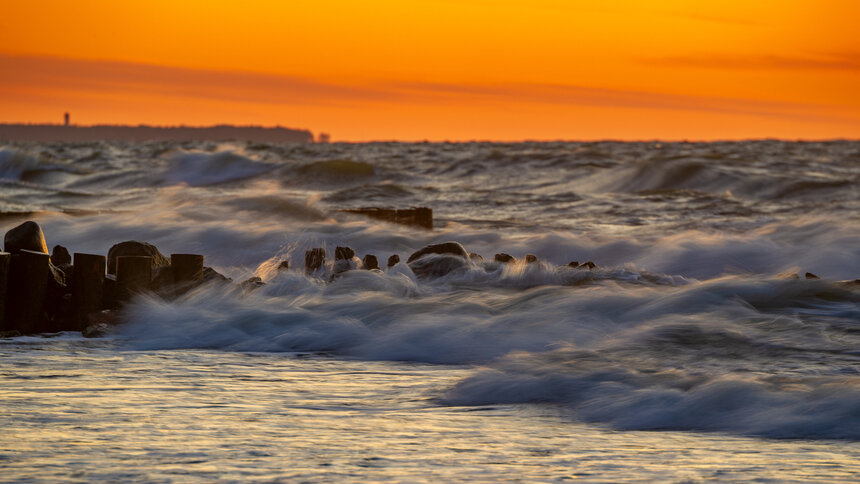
[(476, 258), (135, 248), (27, 236), (587, 265), (574, 264), (283, 266), (531, 258), (505, 258), (810, 275), (252, 284), (370, 262), (393, 260)]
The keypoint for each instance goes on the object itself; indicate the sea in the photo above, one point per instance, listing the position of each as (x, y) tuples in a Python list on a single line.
[(697, 349)]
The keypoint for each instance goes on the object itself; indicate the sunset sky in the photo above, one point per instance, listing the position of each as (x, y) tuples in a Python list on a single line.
[(441, 69)]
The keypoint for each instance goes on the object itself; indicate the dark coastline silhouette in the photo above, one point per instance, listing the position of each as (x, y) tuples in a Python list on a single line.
[(57, 132)]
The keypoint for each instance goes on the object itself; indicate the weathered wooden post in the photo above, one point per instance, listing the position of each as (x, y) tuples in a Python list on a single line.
[(314, 259), (4, 272), (187, 271), (88, 282), (133, 275), (25, 291)]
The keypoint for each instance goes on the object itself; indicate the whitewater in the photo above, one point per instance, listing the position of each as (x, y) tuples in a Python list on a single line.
[(697, 349)]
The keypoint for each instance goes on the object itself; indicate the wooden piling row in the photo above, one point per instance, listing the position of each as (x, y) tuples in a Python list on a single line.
[(5, 258), (25, 296), (88, 281)]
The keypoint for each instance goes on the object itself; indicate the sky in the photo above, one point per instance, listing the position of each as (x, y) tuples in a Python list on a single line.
[(441, 69)]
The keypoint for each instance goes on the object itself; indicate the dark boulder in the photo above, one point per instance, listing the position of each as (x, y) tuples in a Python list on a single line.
[(505, 258), (587, 265), (393, 260), (27, 236), (135, 248), (446, 248), (573, 264), (438, 260), (531, 258), (370, 262), (810, 275), (60, 255), (283, 266), (476, 258)]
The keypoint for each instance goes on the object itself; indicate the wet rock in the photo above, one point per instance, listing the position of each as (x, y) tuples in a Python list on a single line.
[(370, 262), (135, 248), (314, 259), (393, 260), (531, 258), (252, 284), (210, 275), (438, 260), (587, 265), (574, 264), (343, 253), (27, 236), (283, 266), (342, 265), (446, 248), (505, 258), (476, 258), (810, 275), (60, 255)]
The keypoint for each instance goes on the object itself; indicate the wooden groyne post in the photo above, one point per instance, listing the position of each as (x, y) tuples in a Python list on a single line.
[(5, 257), (88, 281), (25, 297)]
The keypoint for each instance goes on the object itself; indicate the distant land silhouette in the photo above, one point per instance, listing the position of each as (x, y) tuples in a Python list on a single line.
[(58, 132)]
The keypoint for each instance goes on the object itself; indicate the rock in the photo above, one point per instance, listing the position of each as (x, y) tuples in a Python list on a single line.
[(587, 265), (252, 284), (283, 266), (314, 259), (342, 253), (27, 236), (446, 248), (531, 258), (505, 258), (210, 275), (810, 275), (476, 258), (60, 256), (135, 248), (393, 260), (438, 260), (370, 262), (574, 264), (342, 265)]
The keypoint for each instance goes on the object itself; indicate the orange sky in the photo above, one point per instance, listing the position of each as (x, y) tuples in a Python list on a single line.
[(441, 69)]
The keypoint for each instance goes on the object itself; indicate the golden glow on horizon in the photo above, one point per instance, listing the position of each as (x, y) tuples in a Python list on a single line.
[(442, 69)]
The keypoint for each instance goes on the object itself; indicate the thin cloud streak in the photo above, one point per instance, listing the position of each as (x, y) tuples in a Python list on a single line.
[(29, 75), (843, 62)]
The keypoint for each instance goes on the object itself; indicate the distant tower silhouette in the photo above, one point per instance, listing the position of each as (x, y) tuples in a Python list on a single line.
[(66, 118), (323, 138)]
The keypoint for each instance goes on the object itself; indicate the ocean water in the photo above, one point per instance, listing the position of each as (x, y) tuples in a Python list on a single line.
[(689, 353)]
